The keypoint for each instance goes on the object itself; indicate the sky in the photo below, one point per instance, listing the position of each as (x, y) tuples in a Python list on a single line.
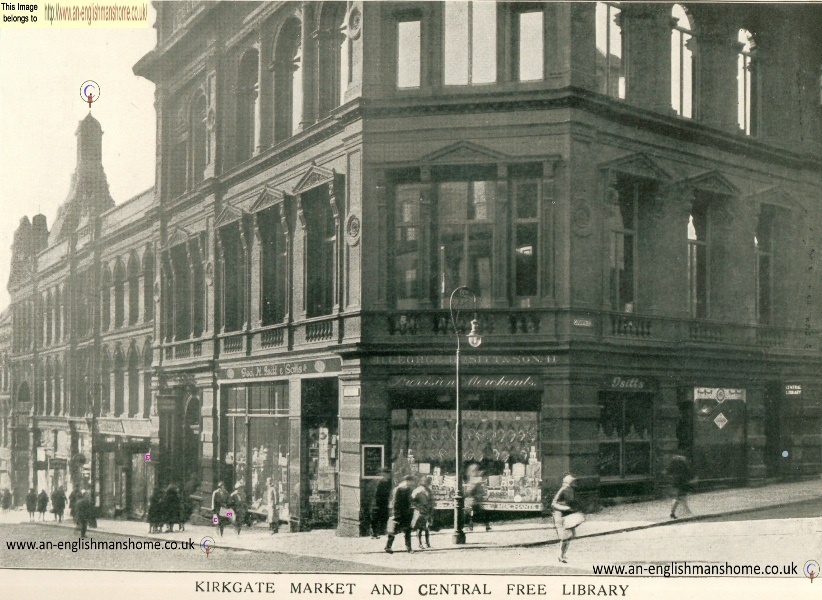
[(41, 71)]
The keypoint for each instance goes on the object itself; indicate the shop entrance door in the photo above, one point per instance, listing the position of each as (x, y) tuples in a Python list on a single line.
[(719, 433), (321, 419)]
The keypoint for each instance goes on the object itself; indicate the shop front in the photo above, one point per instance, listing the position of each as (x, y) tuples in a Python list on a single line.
[(500, 436), (124, 479)]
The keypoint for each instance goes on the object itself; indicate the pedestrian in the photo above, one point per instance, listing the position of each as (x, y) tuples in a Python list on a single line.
[(58, 503), (421, 521), (238, 506), (562, 506), (73, 497), (380, 502), (272, 505), (220, 507), (83, 511), (42, 504), (5, 500), (474, 498), (171, 507), (679, 473), (155, 511), (401, 513), (31, 503)]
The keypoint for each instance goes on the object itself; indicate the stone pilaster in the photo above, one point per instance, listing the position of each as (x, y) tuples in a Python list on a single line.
[(667, 271), (717, 85), (732, 267), (646, 34)]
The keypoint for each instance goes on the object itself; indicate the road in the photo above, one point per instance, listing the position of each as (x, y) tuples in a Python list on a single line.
[(777, 536)]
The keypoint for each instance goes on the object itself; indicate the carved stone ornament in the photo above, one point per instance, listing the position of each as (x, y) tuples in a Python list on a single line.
[(354, 23), (352, 230), (582, 218), (209, 273), (156, 291)]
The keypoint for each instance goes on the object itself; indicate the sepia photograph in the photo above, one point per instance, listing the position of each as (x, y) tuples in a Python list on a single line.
[(410, 298)]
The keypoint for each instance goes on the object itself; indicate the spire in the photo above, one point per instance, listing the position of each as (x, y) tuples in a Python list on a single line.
[(89, 194)]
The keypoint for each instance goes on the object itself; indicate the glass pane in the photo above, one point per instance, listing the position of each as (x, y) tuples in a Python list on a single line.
[(687, 77), (296, 96), (527, 259), (452, 202), (527, 200), (676, 72), (408, 54), (480, 245), (481, 207), (269, 458), (406, 251), (484, 43), (531, 47), (456, 43), (450, 261)]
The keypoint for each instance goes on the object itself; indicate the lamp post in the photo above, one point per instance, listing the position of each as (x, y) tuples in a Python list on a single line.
[(474, 340)]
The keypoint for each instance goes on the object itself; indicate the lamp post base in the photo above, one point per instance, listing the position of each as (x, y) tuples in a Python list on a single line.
[(458, 537)]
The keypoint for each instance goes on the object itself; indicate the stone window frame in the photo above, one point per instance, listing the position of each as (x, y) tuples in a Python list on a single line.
[(413, 16), (609, 6), (518, 9), (748, 85), (678, 33), (471, 54)]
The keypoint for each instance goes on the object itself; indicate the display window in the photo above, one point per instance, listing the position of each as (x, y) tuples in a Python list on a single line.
[(258, 441), (625, 421), (500, 443)]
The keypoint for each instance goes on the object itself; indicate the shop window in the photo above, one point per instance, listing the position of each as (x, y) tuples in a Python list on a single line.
[(321, 246), (698, 259), (409, 54), (500, 445), (247, 114), (764, 243), (274, 261), (258, 440), (470, 43), (320, 412), (610, 66), (682, 62), (747, 84), (625, 434), (288, 81), (528, 37)]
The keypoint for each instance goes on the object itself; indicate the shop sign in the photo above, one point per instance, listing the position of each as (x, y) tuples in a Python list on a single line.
[(580, 322), (496, 382), (629, 383), (506, 506), (373, 461), (719, 394), (114, 426), (297, 367), (137, 427), (467, 359), (793, 389)]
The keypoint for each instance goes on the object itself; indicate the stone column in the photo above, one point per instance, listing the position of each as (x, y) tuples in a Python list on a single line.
[(141, 299), (732, 256), (265, 95), (112, 311), (646, 35), (308, 61), (667, 272), (126, 301), (256, 274), (716, 84), (112, 396), (141, 393)]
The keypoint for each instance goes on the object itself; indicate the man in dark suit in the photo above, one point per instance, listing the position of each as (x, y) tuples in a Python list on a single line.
[(402, 512)]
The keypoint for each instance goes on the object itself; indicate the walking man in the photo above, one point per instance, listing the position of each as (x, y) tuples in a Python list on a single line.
[(679, 471), (380, 502), (402, 513)]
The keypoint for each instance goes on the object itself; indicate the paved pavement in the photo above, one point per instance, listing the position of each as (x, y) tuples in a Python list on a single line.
[(517, 534)]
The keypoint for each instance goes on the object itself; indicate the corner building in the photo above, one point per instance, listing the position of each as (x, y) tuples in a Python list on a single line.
[(630, 191)]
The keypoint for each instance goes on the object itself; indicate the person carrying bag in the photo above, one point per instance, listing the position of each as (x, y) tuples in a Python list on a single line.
[(566, 519)]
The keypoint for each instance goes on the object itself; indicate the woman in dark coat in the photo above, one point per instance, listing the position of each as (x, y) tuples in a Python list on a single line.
[(171, 507), (155, 512), (83, 511), (31, 503), (42, 504), (58, 503)]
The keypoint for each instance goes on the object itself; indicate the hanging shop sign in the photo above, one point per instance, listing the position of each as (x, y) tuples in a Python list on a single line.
[(629, 383), (482, 382), (284, 369), (719, 394)]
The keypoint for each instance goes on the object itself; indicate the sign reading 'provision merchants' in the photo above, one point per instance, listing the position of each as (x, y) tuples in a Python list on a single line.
[(498, 382), (284, 369)]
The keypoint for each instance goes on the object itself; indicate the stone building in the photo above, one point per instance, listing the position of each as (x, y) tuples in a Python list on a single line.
[(628, 190)]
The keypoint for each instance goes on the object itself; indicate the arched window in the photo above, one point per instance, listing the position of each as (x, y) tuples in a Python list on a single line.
[(119, 293), (334, 57), (199, 137), (105, 384), (119, 381), (247, 114), (58, 315), (58, 388), (288, 81), (148, 285), (682, 62), (49, 317), (747, 84), (133, 273), (49, 387), (105, 299), (147, 379), (610, 71), (133, 381)]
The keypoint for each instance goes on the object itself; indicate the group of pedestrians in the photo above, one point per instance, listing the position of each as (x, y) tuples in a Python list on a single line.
[(405, 509), (233, 508), (168, 507)]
